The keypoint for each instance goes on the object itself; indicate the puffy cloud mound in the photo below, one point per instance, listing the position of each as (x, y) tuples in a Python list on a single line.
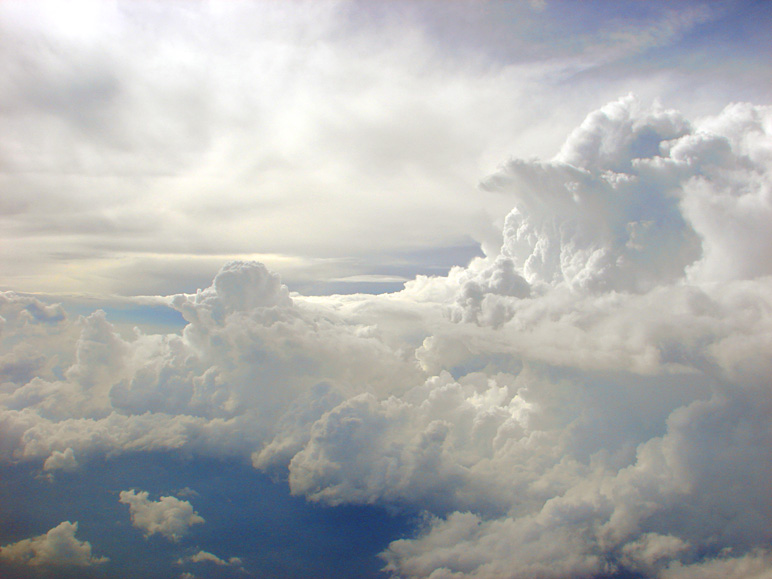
[(207, 557), (238, 287), (58, 547), (636, 196), (593, 399), (168, 516), (583, 518), (61, 461), (592, 218), (422, 448), (728, 192)]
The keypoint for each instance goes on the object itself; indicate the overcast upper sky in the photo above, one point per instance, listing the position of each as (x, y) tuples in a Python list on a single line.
[(143, 144), (386, 290)]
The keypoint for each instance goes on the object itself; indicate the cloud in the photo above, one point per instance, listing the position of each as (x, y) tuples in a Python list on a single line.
[(61, 461), (236, 155), (58, 547), (754, 565), (590, 398), (168, 516), (595, 520), (239, 286), (638, 197), (589, 218), (207, 557), (727, 196), (463, 545)]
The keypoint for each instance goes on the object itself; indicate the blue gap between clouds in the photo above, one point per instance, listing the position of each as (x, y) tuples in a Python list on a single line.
[(247, 516)]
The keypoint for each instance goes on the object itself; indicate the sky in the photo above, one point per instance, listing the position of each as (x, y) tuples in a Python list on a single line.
[(412, 289)]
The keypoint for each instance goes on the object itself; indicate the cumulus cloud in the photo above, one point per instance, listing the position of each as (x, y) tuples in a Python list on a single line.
[(58, 547), (207, 557), (591, 398), (589, 218), (238, 286), (169, 516), (61, 461), (580, 223)]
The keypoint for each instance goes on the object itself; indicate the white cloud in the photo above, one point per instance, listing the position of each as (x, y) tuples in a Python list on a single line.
[(590, 218), (727, 197), (61, 461), (168, 516), (464, 545), (238, 286), (646, 553), (593, 397), (207, 557), (58, 547), (268, 126)]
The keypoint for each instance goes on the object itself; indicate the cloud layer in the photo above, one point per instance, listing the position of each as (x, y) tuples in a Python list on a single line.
[(143, 145), (593, 398)]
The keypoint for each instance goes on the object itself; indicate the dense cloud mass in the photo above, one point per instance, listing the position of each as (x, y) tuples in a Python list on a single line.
[(58, 547), (168, 516), (592, 399)]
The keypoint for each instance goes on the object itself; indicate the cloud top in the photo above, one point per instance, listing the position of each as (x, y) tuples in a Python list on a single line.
[(57, 547), (168, 516)]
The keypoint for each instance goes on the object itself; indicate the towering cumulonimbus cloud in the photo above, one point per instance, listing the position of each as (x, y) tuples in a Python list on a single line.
[(632, 200), (593, 399), (660, 410), (597, 217)]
